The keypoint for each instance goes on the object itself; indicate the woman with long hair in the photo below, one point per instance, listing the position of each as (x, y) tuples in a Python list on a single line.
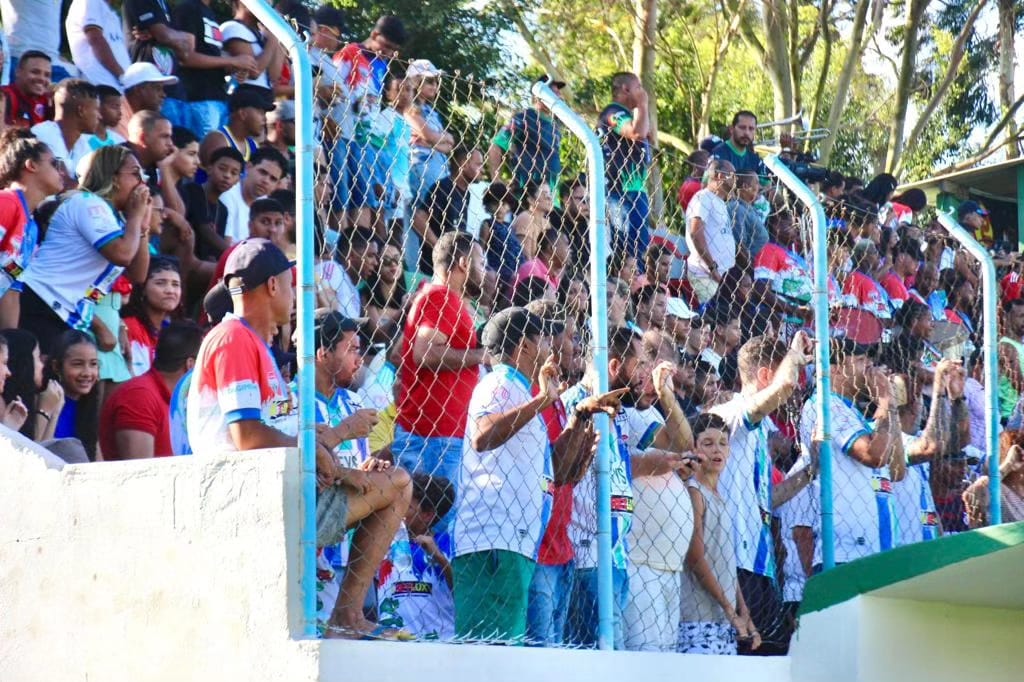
[(533, 221), (75, 364), (95, 235), (153, 305), (43, 399)]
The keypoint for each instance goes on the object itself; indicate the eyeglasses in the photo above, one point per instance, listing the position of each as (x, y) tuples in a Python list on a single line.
[(390, 262), (135, 173)]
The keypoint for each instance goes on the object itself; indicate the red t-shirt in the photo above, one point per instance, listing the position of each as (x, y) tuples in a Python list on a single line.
[(14, 251), (140, 404), (436, 403), (1012, 286), (689, 187), (24, 111), (895, 287), (555, 546)]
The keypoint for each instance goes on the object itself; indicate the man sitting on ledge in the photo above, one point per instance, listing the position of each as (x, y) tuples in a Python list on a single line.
[(239, 401)]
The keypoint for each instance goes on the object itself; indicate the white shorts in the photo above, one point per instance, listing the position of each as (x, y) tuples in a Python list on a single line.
[(651, 617), (704, 288), (716, 639)]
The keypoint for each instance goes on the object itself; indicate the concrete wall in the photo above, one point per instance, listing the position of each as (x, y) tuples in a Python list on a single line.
[(171, 569), (874, 639)]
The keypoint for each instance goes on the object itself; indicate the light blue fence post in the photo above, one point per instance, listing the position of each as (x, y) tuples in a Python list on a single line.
[(989, 354), (599, 325), (822, 357), (304, 152)]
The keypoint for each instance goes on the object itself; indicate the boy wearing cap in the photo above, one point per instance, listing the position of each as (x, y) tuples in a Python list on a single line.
[(506, 484), (238, 400), (975, 219)]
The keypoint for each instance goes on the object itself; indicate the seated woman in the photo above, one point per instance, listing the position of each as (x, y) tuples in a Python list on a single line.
[(75, 364), (153, 304), (43, 400)]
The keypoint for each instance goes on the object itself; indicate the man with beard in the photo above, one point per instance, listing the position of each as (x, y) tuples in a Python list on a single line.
[(27, 101), (739, 148), (150, 139), (440, 360)]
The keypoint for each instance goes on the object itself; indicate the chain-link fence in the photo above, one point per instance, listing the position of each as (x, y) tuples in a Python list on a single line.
[(453, 216)]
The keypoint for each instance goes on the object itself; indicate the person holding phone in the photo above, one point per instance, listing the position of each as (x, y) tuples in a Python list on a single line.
[(101, 229)]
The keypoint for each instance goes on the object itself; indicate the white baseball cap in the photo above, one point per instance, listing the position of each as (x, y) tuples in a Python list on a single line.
[(422, 67), (677, 307), (140, 73)]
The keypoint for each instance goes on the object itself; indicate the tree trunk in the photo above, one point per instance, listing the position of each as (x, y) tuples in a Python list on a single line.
[(708, 91), (1007, 24), (908, 64), (850, 66), (645, 33), (775, 16)]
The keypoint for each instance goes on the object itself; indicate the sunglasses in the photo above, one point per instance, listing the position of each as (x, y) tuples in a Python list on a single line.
[(390, 261)]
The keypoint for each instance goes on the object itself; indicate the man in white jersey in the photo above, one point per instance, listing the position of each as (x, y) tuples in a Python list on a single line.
[(769, 373), (867, 456)]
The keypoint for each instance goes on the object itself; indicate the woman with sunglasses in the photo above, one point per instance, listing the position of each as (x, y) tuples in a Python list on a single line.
[(95, 235)]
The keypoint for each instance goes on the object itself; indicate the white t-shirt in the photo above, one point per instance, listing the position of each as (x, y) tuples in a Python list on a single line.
[(721, 242), (237, 225), (855, 507), (32, 25), (83, 14), (802, 510), (916, 517), (235, 30), (80, 227), (335, 282), (746, 486), (662, 512), (49, 132), (412, 592), (505, 493)]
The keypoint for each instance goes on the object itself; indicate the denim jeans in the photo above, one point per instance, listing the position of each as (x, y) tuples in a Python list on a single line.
[(550, 590), (205, 117), (434, 455), (581, 630), (177, 112), (628, 214)]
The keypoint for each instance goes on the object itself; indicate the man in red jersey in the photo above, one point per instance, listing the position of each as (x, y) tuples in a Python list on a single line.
[(440, 361)]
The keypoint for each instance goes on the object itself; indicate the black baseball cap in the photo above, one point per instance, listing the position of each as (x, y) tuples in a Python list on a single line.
[(252, 263), (330, 325), (968, 207), (508, 327), (217, 302), (248, 95), (327, 15)]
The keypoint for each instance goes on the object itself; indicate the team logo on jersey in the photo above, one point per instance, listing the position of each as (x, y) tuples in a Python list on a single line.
[(416, 588), (881, 485), (622, 503)]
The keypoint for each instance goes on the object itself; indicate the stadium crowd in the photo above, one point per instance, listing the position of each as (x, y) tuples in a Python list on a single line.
[(147, 237)]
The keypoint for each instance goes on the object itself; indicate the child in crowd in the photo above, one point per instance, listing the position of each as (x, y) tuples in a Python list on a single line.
[(75, 364)]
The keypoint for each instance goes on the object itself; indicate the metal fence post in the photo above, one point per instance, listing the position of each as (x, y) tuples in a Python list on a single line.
[(599, 324), (304, 153), (822, 361), (989, 354)]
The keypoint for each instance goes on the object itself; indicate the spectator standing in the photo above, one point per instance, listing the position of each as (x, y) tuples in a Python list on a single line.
[(698, 163), (506, 482), (104, 231), (738, 150), (573, 220), (905, 260), (975, 220), (27, 101), (205, 68), (28, 174), (152, 306), (782, 278), (530, 144), (77, 115), (156, 40), (714, 612), (445, 207), (440, 361), (709, 236), (96, 38), (135, 420), (29, 25), (747, 227), (242, 37), (769, 374), (625, 127), (247, 119), (867, 459), (430, 143), (861, 290), (75, 364), (359, 253)]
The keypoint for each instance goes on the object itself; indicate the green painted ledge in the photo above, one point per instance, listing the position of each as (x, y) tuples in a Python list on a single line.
[(888, 568)]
